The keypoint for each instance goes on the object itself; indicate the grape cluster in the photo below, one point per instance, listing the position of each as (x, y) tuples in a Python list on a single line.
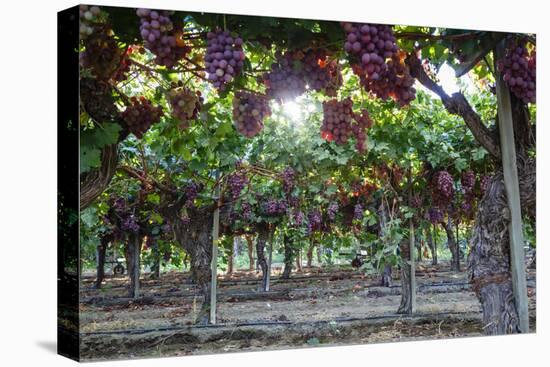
[(121, 73), (319, 72), (101, 53), (442, 188), (191, 190), (140, 115), (273, 207), (337, 119), (314, 221), (166, 228), (484, 183), (377, 61), (298, 218), (358, 211), (246, 211), (88, 16), (287, 177), (126, 218), (185, 104), (332, 210), (237, 181), (520, 71), (359, 130), (129, 224), (434, 215), (285, 81), (224, 57), (468, 181), (157, 31), (249, 111)]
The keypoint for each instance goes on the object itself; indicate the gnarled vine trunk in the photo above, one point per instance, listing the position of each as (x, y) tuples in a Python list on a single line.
[(386, 278), (405, 307), (132, 253), (100, 262), (250, 244), (309, 254), (263, 235), (432, 245), (289, 257), (453, 245)]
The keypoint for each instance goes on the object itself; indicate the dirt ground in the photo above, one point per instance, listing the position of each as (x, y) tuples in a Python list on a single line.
[(314, 308)]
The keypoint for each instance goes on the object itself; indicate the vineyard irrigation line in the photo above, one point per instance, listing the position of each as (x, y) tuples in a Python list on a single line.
[(285, 323)]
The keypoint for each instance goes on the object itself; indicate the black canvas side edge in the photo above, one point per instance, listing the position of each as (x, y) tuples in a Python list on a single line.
[(68, 267)]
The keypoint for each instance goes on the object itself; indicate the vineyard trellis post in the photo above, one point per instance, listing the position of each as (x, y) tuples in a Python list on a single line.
[(511, 184), (214, 263)]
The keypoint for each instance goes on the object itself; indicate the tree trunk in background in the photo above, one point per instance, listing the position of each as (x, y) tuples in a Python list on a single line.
[(299, 261), (432, 245), (263, 235), (231, 257), (289, 257), (156, 261), (132, 253), (405, 306), (386, 276), (250, 244), (100, 261), (453, 246), (319, 252), (418, 245), (310, 253)]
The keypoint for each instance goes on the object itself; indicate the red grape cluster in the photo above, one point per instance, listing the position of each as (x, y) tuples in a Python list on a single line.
[(319, 72), (468, 181), (442, 188), (396, 82), (128, 221), (246, 211), (236, 182), (285, 81), (88, 16), (298, 218), (121, 73), (157, 31), (140, 115), (338, 125), (337, 119), (484, 183), (377, 61), (359, 130), (520, 71), (224, 57), (249, 111), (186, 105)]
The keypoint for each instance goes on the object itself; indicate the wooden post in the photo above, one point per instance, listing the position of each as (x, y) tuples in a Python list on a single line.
[(511, 184), (214, 263), (269, 259), (412, 248)]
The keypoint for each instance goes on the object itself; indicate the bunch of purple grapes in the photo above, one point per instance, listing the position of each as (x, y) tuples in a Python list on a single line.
[(337, 120), (298, 218), (468, 181), (166, 228), (185, 104), (287, 177), (157, 31), (434, 215), (273, 207), (359, 130), (129, 224), (185, 220), (358, 211), (140, 115), (249, 111), (224, 57), (246, 211), (191, 190), (237, 181), (314, 221), (520, 70), (332, 210), (285, 81)]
